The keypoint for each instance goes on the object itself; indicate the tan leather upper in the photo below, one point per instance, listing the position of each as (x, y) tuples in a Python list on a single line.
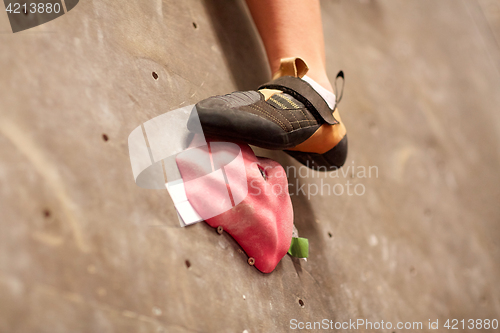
[(291, 67)]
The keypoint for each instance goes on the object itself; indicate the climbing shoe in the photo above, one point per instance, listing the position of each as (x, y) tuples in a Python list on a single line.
[(286, 113)]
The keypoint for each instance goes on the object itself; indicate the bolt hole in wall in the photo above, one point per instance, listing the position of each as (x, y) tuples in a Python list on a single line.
[(155, 76), (105, 137), (301, 302), (46, 213), (195, 25), (188, 263), (330, 234)]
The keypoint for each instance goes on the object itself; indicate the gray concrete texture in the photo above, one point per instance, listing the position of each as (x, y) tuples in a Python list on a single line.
[(83, 249)]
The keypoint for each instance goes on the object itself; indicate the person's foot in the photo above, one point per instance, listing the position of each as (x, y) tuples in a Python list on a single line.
[(286, 114)]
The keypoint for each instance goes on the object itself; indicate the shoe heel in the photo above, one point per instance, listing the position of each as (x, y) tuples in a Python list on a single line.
[(329, 161)]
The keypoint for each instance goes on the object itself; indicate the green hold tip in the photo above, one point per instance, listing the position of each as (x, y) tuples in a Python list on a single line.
[(299, 248)]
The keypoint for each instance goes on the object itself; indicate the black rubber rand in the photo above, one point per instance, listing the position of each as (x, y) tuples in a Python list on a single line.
[(329, 161)]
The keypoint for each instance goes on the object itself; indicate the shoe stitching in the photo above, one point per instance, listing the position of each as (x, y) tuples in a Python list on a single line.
[(290, 101), (284, 108), (302, 110), (284, 125), (255, 107), (251, 107), (313, 121), (273, 101), (279, 111)]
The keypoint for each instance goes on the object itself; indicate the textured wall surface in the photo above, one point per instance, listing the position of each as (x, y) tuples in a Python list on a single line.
[(83, 249)]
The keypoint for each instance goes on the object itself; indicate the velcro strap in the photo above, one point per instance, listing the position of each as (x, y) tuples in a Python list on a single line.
[(306, 94)]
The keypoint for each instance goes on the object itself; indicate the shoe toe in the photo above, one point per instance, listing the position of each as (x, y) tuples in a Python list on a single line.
[(211, 104)]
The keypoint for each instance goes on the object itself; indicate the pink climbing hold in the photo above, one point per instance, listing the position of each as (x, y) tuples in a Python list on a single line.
[(246, 195)]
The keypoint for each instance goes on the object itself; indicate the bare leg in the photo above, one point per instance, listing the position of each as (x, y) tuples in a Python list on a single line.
[(292, 28)]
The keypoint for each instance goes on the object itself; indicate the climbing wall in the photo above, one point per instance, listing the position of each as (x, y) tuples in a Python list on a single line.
[(413, 238)]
